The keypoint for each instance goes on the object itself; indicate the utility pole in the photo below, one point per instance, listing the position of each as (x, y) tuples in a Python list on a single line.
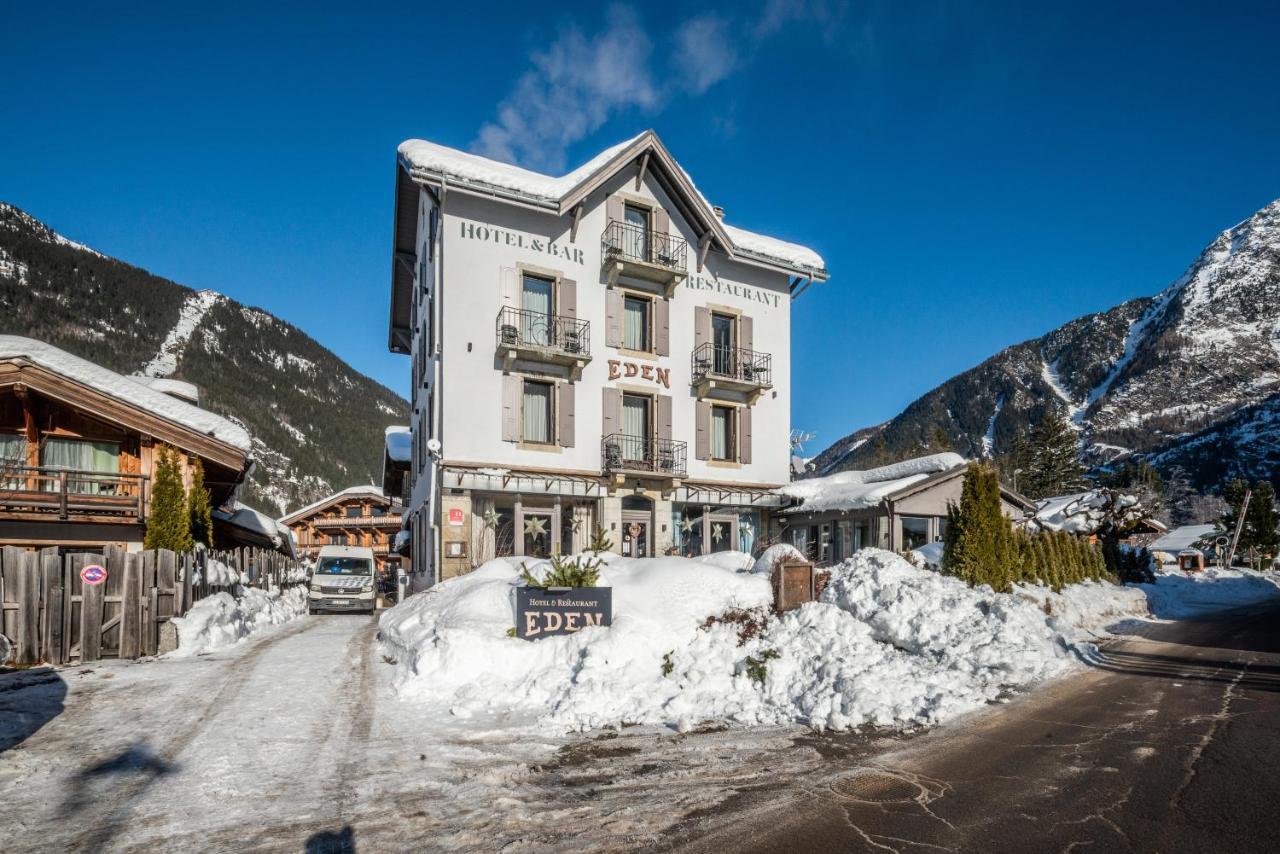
[(1244, 508)]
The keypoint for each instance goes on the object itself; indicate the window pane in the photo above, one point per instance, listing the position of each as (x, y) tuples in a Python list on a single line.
[(81, 455), (915, 532), (721, 432), (722, 340), (636, 237), (537, 412), (635, 426), (635, 323), (535, 299)]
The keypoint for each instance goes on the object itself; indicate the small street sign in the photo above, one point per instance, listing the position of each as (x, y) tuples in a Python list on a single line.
[(93, 574)]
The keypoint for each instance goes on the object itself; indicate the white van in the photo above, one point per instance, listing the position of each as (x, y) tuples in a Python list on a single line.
[(343, 580)]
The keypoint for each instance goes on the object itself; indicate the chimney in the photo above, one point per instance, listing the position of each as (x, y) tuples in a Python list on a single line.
[(718, 211)]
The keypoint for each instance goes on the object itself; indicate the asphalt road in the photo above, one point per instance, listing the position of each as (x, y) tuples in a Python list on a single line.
[(1171, 743)]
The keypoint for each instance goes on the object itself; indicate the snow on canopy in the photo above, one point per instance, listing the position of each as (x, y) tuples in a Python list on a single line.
[(862, 490), (399, 444), (129, 390), (465, 168)]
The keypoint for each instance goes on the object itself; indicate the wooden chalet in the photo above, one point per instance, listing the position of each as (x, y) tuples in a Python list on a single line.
[(359, 516), (79, 445)]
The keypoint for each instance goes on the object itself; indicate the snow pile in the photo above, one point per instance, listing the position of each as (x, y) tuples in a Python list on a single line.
[(218, 574), (930, 554), (889, 645), (1178, 595), (221, 620), (861, 490), (6, 649), (1088, 607), (399, 442)]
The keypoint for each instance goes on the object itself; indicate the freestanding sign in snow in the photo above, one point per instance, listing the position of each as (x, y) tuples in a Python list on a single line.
[(546, 611), (93, 574)]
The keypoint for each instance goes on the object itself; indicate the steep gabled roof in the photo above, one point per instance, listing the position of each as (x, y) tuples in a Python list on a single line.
[(350, 492), (434, 163)]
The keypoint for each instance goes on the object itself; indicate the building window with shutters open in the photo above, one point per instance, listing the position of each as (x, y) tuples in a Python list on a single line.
[(536, 413)]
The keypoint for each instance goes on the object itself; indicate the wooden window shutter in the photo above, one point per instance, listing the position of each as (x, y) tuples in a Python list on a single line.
[(744, 434), (613, 208), (746, 329), (564, 416), (512, 387), (701, 326), (661, 222), (662, 326), (510, 287), (568, 306), (613, 318), (702, 435), (610, 411), (664, 417)]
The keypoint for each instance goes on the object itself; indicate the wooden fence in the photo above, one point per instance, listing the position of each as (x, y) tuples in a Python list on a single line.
[(52, 616)]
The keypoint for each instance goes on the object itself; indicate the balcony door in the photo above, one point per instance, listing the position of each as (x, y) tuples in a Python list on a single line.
[(537, 299), (637, 427), (82, 457), (724, 341), (636, 237)]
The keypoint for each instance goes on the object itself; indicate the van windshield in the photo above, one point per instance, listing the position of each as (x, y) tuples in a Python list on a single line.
[(344, 566)]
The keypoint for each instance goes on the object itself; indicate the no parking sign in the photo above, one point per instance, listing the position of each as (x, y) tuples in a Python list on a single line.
[(93, 574)]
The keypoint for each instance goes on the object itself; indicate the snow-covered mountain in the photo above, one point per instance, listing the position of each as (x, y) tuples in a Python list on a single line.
[(1189, 377), (317, 424)]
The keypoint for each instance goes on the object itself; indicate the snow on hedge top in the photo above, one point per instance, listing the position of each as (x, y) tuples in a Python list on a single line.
[(1085, 512), (464, 168), (861, 490), (399, 444), (125, 389)]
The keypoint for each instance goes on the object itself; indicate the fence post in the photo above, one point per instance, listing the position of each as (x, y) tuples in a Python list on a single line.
[(150, 634), (54, 599), (131, 607), (91, 614)]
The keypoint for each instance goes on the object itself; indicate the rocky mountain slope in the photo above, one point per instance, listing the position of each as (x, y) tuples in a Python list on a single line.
[(1189, 377), (317, 424)]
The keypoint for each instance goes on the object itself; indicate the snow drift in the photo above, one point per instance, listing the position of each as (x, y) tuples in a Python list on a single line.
[(889, 645), (221, 620)]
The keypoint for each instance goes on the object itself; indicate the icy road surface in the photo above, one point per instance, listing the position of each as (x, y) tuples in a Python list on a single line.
[(294, 741)]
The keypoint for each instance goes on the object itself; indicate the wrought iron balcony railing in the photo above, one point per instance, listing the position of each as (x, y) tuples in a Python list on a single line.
[(625, 241), (732, 363), (521, 328), (67, 493), (620, 452)]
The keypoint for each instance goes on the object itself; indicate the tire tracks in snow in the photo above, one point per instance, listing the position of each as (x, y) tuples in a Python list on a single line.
[(115, 814), (355, 704)]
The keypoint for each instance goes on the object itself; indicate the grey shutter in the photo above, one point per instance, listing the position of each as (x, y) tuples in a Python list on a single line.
[(664, 417), (613, 209), (564, 415), (610, 411), (662, 327), (613, 318), (568, 306), (702, 435), (701, 326), (512, 386), (661, 226), (744, 434), (745, 330), (510, 287)]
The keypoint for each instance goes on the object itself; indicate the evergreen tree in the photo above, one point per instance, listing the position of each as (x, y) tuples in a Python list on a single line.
[(1261, 521), (980, 545), (201, 525), (1179, 497), (169, 524), (1053, 466), (1233, 493)]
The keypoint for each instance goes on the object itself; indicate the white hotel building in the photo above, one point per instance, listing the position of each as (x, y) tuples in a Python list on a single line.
[(595, 349)]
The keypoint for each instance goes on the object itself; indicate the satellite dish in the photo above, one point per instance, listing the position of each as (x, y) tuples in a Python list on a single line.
[(1223, 541), (433, 445)]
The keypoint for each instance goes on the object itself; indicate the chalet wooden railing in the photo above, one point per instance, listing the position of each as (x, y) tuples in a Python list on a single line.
[(68, 493), (386, 521)]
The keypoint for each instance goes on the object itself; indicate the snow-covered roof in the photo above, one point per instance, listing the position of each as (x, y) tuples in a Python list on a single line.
[(399, 444), (472, 170), (344, 493), (174, 388), (862, 490), (245, 517), (128, 390), (1181, 538)]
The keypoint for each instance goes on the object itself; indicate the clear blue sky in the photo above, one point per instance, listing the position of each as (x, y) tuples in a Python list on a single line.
[(975, 174)]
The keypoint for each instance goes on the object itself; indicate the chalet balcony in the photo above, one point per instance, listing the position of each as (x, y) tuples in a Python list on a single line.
[(628, 249), (388, 520), (731, 369), (40, 493), (623, 455), (537, 337)]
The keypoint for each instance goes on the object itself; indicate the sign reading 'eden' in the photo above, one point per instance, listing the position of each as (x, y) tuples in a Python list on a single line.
[(548, 611), (619, 369)]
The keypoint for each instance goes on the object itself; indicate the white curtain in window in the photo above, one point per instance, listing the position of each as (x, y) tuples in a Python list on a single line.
[(537, 412), (81, 455), (535, 299), (635, 325), (635, 425), (13, 452), (720, 432)]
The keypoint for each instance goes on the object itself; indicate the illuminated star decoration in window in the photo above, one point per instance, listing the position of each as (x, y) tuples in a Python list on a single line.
[(491, 518), (535, 526), (717, 532), (575, 523), (686, 524)]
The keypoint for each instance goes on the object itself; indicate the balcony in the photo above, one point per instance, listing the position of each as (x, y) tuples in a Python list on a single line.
[(627, 249), (733, 369), (35, 493), (547, 338), (387, 520), (649, 457)]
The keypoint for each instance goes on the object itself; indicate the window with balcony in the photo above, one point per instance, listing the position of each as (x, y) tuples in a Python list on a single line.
[(536, 425), (537, 297), (722, 433), (724, 343), (637, 419), (637, 313), (352, 512), (80, 455), (636, 237)]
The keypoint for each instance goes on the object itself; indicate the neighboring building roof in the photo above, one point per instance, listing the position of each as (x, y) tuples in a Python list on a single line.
[(1181, 538), (349, 492), (128, 390), (861, 490), (258, 525), (431, 161), (399, 443)]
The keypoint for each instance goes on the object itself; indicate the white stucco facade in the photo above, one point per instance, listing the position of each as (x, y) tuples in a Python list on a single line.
[(608, 420)]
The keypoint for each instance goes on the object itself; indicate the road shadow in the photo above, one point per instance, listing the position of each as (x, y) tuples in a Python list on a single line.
[(1252, 628), (1179, 668), (137, 765), (29, 699), (332, 842)]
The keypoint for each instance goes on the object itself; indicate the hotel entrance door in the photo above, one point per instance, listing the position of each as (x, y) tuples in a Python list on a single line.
[(636, 541)]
